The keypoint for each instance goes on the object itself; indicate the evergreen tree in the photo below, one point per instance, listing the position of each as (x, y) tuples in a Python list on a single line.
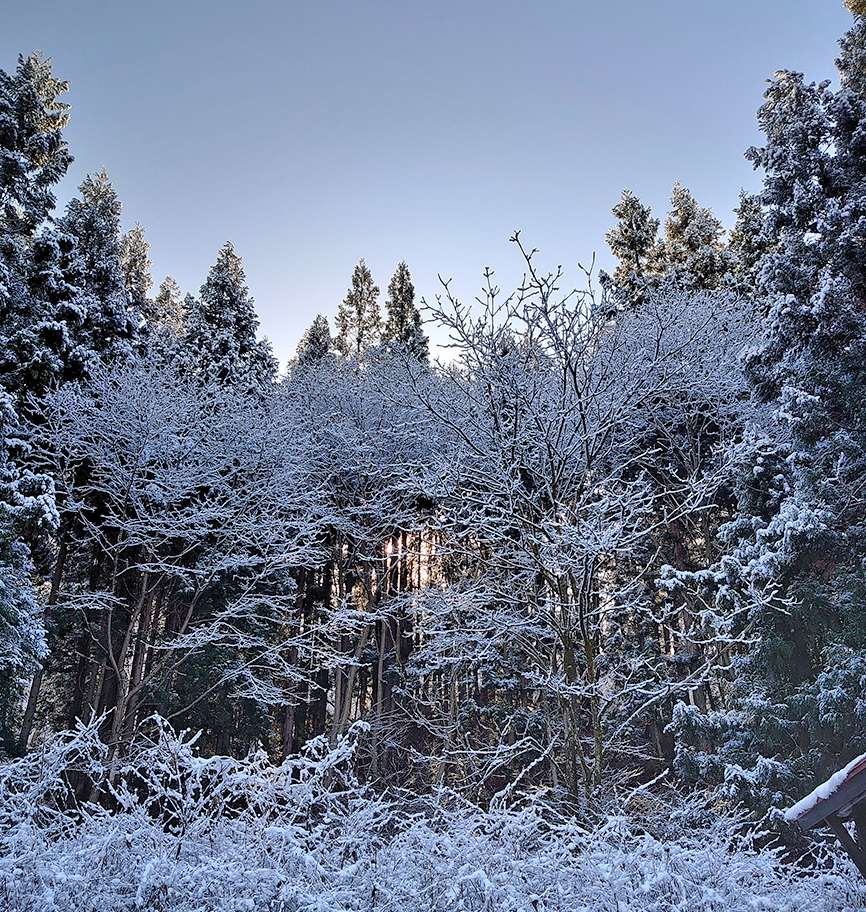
[(359, 323), (403, 325), (315, 343), (135, 267), (33, 153), (856, 7), (634, 242), (219, 341), (692, 251), (63, 298), (163, 323), (27, 512), (746, 244), (167, 307), (92, 269), (33, 157), (795, 570), (36, 318)]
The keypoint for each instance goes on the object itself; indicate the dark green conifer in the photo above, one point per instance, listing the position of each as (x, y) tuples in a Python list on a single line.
[(634, 242), (403, 326), (315, 343), (135, 267), (220, 338), (33, 154), (359, 323)]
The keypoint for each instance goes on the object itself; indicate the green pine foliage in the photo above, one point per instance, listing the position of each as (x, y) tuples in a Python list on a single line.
[(316, 343), (33, 154), (634, 242), (403, 326), (219, 341), (135, 267), (359, 321)]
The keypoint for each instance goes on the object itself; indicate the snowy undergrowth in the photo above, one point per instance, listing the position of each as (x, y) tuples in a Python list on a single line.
[(191, 833)]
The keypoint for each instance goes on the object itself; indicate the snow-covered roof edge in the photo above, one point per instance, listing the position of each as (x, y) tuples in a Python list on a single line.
[(823, 791)]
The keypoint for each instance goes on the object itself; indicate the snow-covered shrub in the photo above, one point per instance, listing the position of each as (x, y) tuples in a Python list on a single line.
[(177, 831)]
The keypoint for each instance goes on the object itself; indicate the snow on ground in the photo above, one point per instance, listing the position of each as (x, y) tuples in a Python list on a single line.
[(191, 833)]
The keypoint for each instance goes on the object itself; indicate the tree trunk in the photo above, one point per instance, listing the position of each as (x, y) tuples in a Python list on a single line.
[(36, 683)]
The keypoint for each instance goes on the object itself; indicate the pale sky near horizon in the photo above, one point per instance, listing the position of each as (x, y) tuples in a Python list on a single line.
[(314, 134)]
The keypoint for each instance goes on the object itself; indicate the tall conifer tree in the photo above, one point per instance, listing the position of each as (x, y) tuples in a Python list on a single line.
[(693, 250), (33, 158), (795, 571), (315, 343), (92, 267), (359, 322), (634, 242), (220, 338), (403, 325), (33, 154), (135, 268), (167, 308)]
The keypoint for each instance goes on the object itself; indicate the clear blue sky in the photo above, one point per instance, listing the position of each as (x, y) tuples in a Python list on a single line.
[(313, 134)]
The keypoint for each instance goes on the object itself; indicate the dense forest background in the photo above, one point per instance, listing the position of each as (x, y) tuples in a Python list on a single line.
[(612, 544)]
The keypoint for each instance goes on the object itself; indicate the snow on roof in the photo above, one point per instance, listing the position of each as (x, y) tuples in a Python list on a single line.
[(825, 789)]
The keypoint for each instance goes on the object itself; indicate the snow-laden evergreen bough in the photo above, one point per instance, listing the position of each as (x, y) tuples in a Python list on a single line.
[(174, 830)]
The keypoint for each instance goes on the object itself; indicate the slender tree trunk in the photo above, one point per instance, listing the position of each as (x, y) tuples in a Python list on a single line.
[(36, 683), (341, 718), (143, 640), (124, 695)]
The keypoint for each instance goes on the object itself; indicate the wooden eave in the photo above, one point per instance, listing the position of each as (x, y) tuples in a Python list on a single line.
[(846, 802), (850, 792)]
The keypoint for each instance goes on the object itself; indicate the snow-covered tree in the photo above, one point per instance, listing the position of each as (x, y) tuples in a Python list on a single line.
[(794, 555), (219, 341), (363, 448), (183, 513), (33, 158), (359, 323), (135, 266), (548, 499), (634, 242), (167, 308), (747, 239), (91, 266), (33, 154), (690, 254), (692, 250), (810, 362), (403, 326), (27, 513), (316, 343)]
